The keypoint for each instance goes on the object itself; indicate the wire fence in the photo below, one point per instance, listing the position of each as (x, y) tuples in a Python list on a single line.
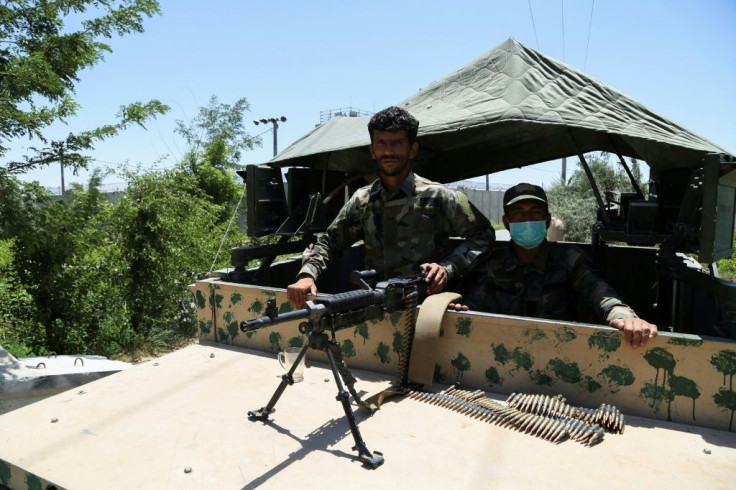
[(109, 188), (477, 185), (487, 201)]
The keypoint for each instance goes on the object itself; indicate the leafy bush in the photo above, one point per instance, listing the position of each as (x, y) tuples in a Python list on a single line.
[(59, 256), (727, 267), (574, 201), (166, 231), (17, 325), (81, 274)]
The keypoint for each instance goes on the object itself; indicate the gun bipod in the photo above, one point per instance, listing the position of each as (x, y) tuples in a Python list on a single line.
[(340, 372)]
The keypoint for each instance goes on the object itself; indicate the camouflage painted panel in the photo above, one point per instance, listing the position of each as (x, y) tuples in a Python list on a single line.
[(13, 477), (677, 378), (680, 378)]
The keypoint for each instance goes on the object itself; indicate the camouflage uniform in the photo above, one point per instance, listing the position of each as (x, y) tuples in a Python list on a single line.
[(558, 284), (403, 230)]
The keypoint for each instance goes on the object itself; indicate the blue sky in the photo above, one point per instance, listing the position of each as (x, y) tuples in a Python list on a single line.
[(295, 59)]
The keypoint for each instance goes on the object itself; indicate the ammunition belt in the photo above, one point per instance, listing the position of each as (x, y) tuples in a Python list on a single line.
[(547, 417)]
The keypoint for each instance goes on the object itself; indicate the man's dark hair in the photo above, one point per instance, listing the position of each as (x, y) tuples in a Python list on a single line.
[(393, 118)]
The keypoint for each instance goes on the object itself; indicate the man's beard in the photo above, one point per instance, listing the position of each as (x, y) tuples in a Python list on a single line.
[(400, 166)]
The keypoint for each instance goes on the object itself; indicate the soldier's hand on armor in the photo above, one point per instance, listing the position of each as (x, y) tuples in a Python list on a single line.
[(297, 292), (636, 330), (457, 307), (436, 277)]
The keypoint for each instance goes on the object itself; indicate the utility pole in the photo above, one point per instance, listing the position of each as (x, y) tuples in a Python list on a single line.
[(275, 122)]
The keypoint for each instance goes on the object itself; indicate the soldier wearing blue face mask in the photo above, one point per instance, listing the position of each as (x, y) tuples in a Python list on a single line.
[(526, 217), (536, 278)]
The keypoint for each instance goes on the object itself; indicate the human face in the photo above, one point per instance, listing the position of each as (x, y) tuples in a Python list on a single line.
[(527, 221), (392, 152), (526, 210)]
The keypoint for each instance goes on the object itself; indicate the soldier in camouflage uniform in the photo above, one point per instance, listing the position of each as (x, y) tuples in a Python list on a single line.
[(404, 220), (536, 278)]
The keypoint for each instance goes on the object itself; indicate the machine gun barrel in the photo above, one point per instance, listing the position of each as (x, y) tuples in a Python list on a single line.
[(334, 305), (266, 321)]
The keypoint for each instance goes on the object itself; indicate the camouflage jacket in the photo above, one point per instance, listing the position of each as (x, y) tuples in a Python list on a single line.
[(558, 284), (403, 230)]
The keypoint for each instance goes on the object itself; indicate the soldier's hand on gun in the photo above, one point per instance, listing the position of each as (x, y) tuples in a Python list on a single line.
[(297, 292), (636, 330), (436, 277)]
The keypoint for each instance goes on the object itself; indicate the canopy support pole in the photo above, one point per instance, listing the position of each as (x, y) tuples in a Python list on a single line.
[(596, 192), (634, 183)]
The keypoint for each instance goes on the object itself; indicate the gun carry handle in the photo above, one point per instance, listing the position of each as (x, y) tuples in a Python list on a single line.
[(362, 278)]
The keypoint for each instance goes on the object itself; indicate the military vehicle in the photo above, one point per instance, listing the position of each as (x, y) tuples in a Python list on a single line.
[(512, 107)]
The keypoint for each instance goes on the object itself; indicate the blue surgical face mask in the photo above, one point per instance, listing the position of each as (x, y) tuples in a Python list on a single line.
[(528, 234)]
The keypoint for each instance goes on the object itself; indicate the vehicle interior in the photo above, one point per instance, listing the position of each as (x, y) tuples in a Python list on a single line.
[(639, 243)]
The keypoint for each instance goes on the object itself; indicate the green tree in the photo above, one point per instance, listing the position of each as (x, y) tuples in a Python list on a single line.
[(166, 232), (216, 138), (60, 255), (219, 123), (80, 274), (18, 204), (727, 267), (17, 314), (19, 331), (41, 57), (574, 201)]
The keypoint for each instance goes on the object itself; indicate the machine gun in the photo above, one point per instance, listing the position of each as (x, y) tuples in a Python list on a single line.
[(335, 312)]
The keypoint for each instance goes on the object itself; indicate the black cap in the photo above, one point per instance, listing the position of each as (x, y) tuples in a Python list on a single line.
[(522, 191)]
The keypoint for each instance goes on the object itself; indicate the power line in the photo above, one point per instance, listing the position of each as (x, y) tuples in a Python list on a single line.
[(176, 155), (263, 132), (533, 25), (540, 169), (587, 44)]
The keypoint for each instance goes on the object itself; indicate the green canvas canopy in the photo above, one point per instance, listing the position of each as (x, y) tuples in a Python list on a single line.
[(509, 108)]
